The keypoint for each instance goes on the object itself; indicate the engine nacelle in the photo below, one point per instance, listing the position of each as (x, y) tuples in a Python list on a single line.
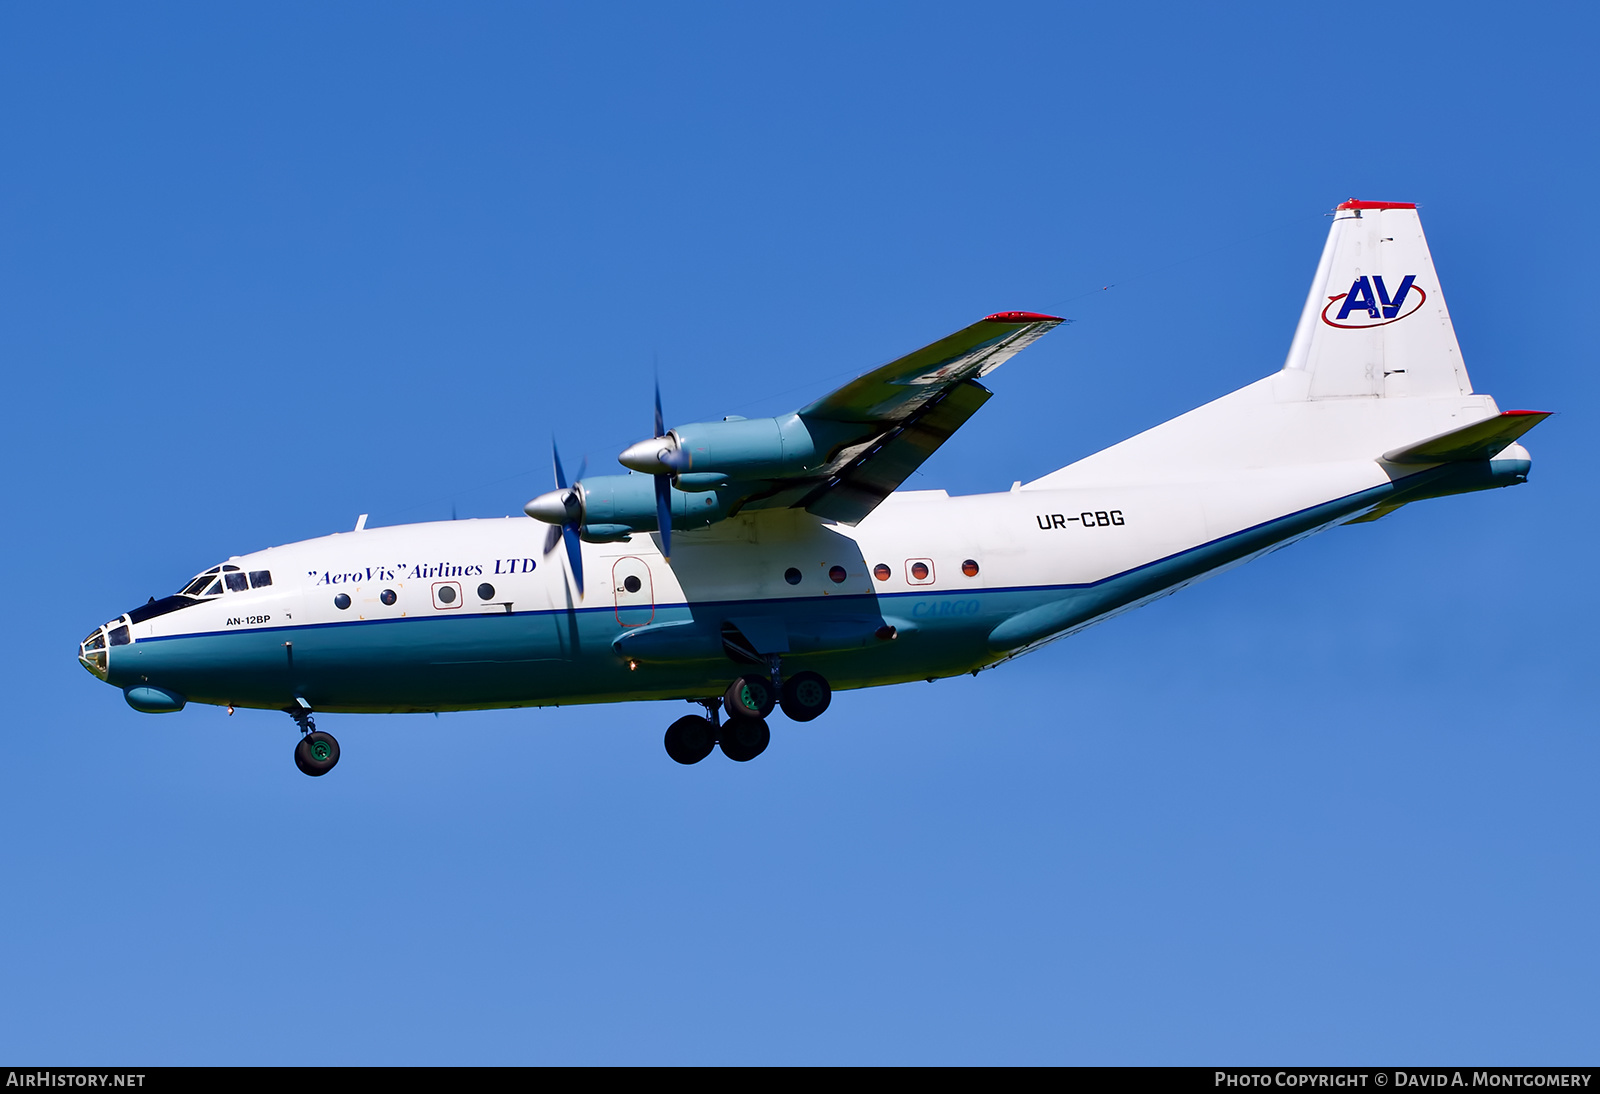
[(738, 448), (612, 503)]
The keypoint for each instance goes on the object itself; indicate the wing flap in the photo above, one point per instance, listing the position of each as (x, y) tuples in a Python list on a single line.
[(877, 472)]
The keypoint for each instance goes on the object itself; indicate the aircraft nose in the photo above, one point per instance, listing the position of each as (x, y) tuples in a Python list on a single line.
[(94, 650)]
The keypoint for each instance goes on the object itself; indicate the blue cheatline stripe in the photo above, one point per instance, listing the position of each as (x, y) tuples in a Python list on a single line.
[(455, 668)]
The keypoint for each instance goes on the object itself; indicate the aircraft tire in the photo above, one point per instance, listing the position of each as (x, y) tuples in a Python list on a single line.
[(316, 753), (749, 697), (690, 739), (743, 739), (805, 696)]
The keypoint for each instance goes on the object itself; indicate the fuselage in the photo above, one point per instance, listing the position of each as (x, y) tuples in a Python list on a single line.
[(473, 614)]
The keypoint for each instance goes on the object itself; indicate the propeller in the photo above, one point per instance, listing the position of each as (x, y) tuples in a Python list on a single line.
[(562, 509), (660, 457), (663, 486)]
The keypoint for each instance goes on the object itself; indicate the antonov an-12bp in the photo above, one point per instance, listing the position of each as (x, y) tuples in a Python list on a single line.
[(746, 564)]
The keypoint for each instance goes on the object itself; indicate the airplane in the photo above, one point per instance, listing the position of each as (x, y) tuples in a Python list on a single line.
[(747, 565)]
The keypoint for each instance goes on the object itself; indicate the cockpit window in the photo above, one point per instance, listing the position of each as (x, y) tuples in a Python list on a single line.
[(212, 582)]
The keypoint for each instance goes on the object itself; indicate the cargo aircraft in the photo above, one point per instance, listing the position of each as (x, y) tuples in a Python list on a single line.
[(748, 564)]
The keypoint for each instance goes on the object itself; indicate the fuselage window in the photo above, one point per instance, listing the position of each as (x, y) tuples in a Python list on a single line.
[(260, 579), (881, 572), (236, 582)]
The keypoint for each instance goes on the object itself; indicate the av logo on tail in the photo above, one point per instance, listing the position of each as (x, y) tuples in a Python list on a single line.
[(1368, 303)]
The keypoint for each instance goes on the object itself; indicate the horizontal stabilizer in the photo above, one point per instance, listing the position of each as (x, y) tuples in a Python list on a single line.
[(1479, 441), (1377, 514)]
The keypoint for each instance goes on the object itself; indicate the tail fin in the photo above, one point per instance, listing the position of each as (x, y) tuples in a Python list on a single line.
[(1375, 323)]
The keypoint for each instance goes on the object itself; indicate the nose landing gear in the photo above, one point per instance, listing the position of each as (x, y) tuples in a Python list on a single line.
[(317, 751)]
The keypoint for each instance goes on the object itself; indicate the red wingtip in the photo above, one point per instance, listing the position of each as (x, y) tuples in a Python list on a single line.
[(1354, 204), (1524, 413), (1020, 317)]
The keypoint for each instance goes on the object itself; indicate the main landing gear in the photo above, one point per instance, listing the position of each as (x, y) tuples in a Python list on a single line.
[(748, 701), (317, 751)]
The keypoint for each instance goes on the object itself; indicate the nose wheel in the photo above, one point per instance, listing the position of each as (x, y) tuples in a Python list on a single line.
[(317, 751)]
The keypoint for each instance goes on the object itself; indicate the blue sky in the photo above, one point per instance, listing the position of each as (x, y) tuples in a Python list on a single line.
[(265, 270)]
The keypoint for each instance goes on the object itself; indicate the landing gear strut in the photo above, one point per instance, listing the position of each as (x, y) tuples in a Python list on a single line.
[(317, 751)]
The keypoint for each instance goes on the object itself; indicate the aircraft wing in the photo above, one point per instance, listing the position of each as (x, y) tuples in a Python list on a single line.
[(894, 392), (903, 411)]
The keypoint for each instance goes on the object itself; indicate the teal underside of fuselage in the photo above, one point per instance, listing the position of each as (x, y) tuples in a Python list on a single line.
[(542, 658)]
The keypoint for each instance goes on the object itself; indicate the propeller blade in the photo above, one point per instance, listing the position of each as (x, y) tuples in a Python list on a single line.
[(564, 521), (561, 476), (661, 425), (569, 533), (664, 513)]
